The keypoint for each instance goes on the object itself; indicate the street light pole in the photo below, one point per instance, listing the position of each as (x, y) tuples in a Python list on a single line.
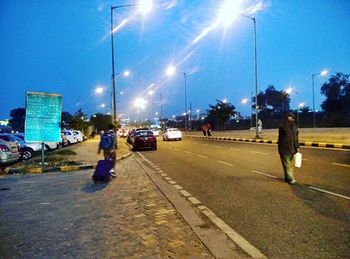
[(113, 70), (255, 75), (185, 77), (113, 75)]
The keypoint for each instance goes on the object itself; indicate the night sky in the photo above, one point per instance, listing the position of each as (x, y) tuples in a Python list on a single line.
[(64, 47)]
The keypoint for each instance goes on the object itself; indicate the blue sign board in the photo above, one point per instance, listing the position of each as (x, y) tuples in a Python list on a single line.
[(43, 117)]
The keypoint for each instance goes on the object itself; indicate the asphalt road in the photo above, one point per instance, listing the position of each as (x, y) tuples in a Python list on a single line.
[(242, 183)]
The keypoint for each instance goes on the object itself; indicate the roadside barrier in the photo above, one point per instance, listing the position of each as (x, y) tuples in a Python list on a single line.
[(301, 143)]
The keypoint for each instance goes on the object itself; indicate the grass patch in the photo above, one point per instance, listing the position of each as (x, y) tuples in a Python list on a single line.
[(61, 157)]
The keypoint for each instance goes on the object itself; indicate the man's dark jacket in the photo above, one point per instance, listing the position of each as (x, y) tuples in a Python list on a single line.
[(288, 142)]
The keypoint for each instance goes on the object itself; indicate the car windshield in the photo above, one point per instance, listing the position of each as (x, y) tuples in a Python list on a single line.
[(173, 130)]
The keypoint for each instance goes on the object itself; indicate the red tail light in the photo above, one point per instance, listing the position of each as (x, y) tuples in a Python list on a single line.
[(4, 148)]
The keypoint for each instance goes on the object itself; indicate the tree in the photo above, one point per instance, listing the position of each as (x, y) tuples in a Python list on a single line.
[(337, 92), (78, 121), (18, 118), (337, 104), (272, 103), (66, 119), (100, 121), (221, 112)]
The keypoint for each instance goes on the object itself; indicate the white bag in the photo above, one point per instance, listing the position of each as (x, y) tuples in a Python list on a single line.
[(298, 157)]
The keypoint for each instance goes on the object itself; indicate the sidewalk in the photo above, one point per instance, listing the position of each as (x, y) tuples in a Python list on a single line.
[(67, 215)]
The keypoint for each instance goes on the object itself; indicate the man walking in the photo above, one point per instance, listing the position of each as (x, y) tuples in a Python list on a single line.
[(288, 145), (108, 144)]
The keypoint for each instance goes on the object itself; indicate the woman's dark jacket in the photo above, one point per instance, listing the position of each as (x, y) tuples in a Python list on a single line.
[(288, 142)]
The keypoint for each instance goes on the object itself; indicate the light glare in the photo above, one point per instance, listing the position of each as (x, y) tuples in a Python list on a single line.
[(145, 6), (229, 12), (99, 90), (171, 70), (324, 72)]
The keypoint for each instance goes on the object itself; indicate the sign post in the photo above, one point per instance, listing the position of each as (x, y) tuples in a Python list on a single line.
[(43, 118)]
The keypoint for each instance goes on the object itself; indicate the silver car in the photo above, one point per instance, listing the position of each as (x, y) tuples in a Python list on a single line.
[(9, 152)]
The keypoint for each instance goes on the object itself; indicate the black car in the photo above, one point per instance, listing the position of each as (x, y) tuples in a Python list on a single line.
[(141, 139)]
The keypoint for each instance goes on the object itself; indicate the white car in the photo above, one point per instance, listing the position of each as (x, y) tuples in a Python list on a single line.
[(78, 135), (70, 136), (155, 131), (172, 133), (8, 152)]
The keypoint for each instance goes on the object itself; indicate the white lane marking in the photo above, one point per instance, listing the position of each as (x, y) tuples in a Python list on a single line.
[(260, 153), (188, 152), (202, 156), (205, 145), (236, 149), (268, 175), (345, 165), (222, 162), (218, 146), (332, 193)]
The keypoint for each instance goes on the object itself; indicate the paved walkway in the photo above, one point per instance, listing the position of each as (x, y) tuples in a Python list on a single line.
[(59, 215)]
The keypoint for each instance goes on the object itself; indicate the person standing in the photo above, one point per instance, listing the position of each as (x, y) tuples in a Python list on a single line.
[(288, 145), (108, 144), (204, 129), (259, 126), (208, 129)]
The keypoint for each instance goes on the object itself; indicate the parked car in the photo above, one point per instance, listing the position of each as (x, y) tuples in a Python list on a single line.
[(70, 136), (64, 140), (143, 139), (155, 131), (47, 145), (172, 134), (9, 152), (78, 135), (131, 134), (27, 150)]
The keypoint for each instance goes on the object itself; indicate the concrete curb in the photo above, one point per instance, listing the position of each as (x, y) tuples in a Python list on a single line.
[(235, 237), (62, 169), (301, 143)]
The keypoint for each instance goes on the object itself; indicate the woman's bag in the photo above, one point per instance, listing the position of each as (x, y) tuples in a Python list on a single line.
[(298, 157)]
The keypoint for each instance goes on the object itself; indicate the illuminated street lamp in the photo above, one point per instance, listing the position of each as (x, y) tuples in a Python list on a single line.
[(171, 70), (144, 6), (226, 16), (323, 73)]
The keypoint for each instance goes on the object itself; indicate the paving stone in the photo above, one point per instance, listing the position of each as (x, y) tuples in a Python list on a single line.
[(67, 216)]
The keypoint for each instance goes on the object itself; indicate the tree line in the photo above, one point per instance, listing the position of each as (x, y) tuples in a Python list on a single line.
[(273, 104)]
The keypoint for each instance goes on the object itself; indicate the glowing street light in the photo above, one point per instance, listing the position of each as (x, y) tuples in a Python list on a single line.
[(171, 70), (103, 105), (322, 73), (224, 100), (244, 100), (126, 73), (140, 103), (99, 90), (144, 6), (289, 90)]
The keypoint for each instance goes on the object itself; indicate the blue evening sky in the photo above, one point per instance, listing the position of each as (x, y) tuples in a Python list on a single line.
[(64, 47)]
